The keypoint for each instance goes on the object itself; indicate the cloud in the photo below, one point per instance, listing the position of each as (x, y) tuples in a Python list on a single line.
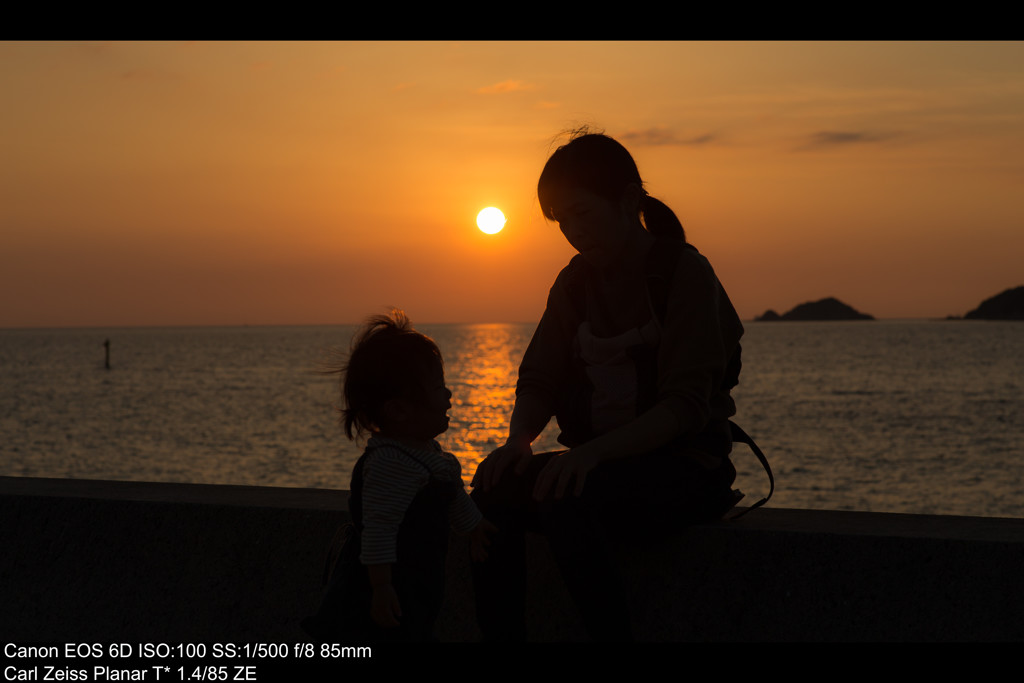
[(505, 86), (834, 138), (700, 139), (663, 136)]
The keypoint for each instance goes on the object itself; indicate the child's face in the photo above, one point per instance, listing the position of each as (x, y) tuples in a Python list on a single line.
[(427, 413)]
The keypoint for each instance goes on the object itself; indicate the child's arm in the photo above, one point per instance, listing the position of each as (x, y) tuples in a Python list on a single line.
[(390, 482), (384, 607), (465, 517), (478, 539), (463, 514)]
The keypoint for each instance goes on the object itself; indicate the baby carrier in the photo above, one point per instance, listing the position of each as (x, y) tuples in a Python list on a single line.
[(573, 410)]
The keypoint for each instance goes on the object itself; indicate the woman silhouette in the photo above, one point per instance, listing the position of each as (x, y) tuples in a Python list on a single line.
[(635, 356)]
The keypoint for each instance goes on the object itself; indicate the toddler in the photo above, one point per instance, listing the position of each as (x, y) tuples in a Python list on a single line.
[(405, 491)]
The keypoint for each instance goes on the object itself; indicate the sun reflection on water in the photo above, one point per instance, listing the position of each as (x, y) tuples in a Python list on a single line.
[(482, 365)]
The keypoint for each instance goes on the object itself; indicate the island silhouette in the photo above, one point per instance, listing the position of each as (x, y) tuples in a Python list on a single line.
[(825, 309), (1008, 305)]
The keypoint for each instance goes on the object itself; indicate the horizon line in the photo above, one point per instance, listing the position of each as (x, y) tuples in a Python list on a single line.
[(342, 324)]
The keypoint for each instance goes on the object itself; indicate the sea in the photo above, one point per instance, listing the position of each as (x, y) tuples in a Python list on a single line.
[(911, 416)]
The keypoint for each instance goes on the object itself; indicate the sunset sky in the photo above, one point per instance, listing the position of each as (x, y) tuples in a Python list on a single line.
[(294, 183)]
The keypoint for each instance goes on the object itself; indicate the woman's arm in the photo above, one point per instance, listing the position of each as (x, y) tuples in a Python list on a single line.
[(654, 428), (541, 373), (700, 334), (529, 417)]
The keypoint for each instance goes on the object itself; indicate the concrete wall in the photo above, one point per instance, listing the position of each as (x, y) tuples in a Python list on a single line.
[(108, 561)]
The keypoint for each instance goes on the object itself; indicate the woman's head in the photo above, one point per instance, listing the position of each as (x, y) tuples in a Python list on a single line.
[(597, 165), (391, 361), (589, 161)]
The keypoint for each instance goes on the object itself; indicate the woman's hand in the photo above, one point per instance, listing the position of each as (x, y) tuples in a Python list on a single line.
[(561, 469), (515, 451)]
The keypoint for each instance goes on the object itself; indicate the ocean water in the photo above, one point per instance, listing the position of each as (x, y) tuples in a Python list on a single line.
[(895, 416)]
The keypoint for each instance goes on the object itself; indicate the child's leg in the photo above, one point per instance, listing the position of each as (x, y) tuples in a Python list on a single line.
[(346, 602)]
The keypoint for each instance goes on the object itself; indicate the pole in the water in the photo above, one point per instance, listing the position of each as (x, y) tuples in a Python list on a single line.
[(106, 345)]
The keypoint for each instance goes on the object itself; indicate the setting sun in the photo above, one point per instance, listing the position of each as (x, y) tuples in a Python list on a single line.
[(490, 220)]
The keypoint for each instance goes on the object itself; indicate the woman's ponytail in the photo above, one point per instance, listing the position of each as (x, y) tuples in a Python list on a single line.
[(660, 220)]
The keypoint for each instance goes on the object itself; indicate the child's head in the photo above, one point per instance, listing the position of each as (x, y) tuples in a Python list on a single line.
[(394, 381)]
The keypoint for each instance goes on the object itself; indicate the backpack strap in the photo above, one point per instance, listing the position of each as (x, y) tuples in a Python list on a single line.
[(740, 436)]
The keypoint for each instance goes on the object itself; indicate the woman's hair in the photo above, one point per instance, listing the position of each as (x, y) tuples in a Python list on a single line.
[(388, 359), (599, 164)]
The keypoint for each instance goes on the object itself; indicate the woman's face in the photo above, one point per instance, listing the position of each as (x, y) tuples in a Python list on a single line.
[(597, 228)]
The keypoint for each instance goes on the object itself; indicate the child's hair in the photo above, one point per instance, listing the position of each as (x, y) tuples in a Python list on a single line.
[(601, 165), (388, 359)]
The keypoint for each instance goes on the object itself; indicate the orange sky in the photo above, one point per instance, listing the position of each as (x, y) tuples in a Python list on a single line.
[(281, 183)]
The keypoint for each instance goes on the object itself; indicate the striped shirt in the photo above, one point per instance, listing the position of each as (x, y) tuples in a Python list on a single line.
[(391, 479)]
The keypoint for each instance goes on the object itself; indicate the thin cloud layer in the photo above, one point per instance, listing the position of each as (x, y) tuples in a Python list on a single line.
[(663, 136), (833, 138)]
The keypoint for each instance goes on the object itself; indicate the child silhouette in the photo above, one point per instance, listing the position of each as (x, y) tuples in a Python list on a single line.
[(405, 491)]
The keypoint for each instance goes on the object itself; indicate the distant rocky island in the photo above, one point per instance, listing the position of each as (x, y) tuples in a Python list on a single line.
[(1008, 305), (826, 309)]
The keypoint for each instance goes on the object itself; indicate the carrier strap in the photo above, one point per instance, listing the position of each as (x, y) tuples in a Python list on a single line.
[(740, 436)]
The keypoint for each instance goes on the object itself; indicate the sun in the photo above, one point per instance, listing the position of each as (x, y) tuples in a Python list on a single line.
[(490, 220)]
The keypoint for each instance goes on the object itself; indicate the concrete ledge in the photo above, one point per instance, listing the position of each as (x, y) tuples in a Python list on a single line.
[(106, 561)]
